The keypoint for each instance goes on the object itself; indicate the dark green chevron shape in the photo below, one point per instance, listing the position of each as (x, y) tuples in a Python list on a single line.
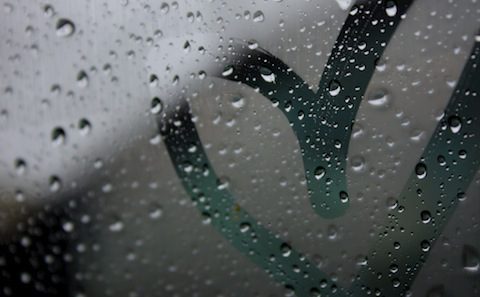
[(322, 121)]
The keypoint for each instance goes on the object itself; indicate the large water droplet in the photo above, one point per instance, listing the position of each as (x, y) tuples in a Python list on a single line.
[(425, 216), (334, 87), (238, 102), (455, 124), (267, 75), (258, 16), (421, 170), (379, 98), (319, 172), (391, 8), (227, 70), (65, 28), (285, 249), (156, 106), (470, 259)]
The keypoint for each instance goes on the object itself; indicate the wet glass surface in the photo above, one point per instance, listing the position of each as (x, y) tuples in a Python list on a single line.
[(230, 148)]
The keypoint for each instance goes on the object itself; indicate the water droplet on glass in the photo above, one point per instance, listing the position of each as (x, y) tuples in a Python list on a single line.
[(343, 196), (156, 106), (358, 163), (391, 8), (344, 4), (421, 170), (65, 28), (116, 227), (238, 102), (425, 216), (84, 126), (227, 70), (55, 183), (379, 98), (334, 88), (285, 249), (267, 75), (58, 136), (20, 166), (455, 124), (319, 172), (82, 79), (470, 259), (258, 16), (245, 227)]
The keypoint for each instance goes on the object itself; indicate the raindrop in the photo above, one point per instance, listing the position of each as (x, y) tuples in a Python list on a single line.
[(343, 196), (379, 98), (425, 216), (227, 70), (319, 172), (285, 249), (164, 8), (358, 163), (55, 183), (421, 170), (82, 79), (391, 8), (65, 28), (425, 245), (156, 106), (245, 227), (334, 88), (252, 44), (116, 227), (58, 136), (455, 124), (156, 213), (84, 126), (238, 102), (267, 75), (470, 259), (258, 16), (20, 166)]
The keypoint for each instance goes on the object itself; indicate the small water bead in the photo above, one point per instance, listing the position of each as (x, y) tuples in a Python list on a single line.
[(425, 245), (391, 8), (285, 249), (258, 16), (20, 166), (421, 170), (319, 172), (426, 217), (116, 227), (334, 88), (156, 106), (379, 98), (153, 80), (252, 44), (228, 70), (238, 102), (455, 124), (65, 28), (82, 79), (245, 227), (85, 126), (470, 259), (357, 163), (343, 196), (58, 136), (55, 183), (267, 75), (164, 8)]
